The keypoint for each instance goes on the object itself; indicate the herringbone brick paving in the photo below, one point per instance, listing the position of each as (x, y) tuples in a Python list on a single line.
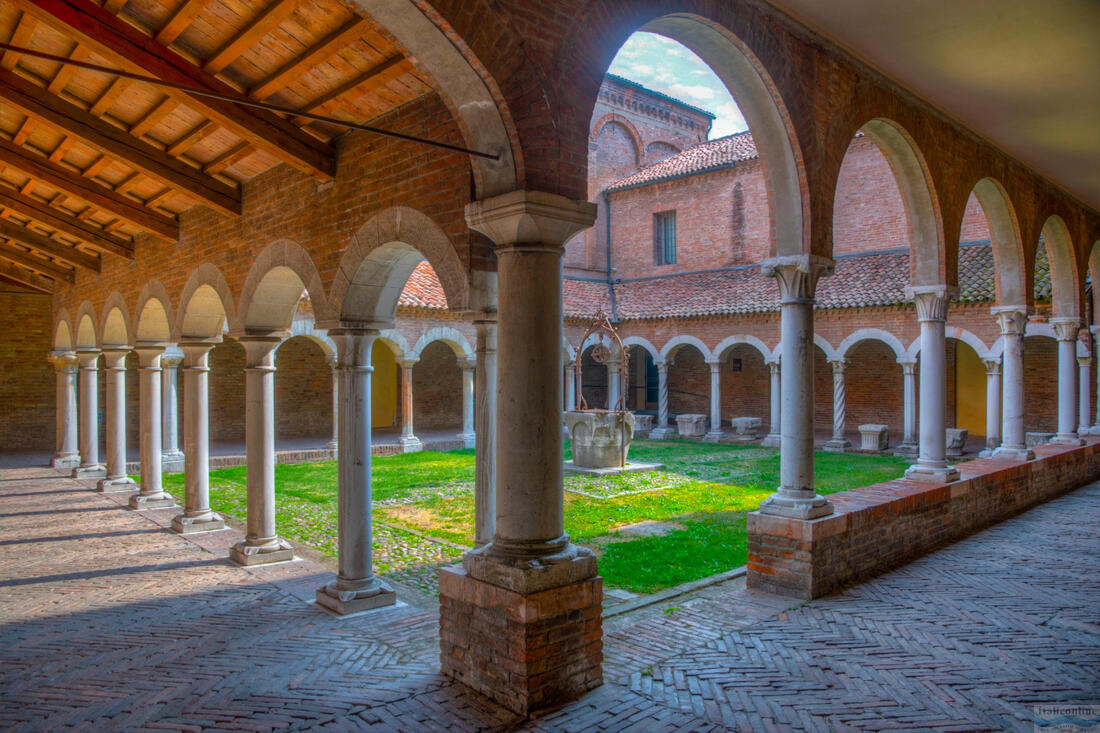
[(111, 622)]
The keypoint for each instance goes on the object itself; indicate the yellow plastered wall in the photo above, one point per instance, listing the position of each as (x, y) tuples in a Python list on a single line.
[(383, 386), (969, 390)]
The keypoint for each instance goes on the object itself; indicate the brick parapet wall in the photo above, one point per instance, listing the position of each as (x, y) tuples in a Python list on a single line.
[(879, 527)]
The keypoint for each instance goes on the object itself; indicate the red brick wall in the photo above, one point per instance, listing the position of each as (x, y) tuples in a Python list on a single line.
[(975, 227), (227, 392), (689, 383), (1041, 385), (28, 419), (745, 393), (303, 390), (875, 389), (868, 211), (437, 388)]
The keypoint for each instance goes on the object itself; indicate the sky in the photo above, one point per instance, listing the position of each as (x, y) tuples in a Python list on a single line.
[(669, 67)]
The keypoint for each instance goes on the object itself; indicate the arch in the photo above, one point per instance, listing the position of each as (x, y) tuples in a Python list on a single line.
[(1046, 330), (569, 354), (827, 348), (206, 304), (927, 260), (397, 343), (62, 331), (86, 331), (447, 335), (381, 257), (730, 341), (639, 341), (274, 286), (1008, 246), (1065, 285), (653, 149), (968, 338), (871, 334), (154, 313), (115, 329), (766, 114), (631, 130), (677, 342), (1094, 273)]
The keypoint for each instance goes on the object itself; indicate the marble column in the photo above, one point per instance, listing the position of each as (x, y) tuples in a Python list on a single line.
[(715, 432), (89, 467), (1013, 321), (529, 550), (171, 458), (117, 479), (663, 429), (992, 406), (615, 385), (838, 443), (1066, 330), (485, 429), (152, 494), (468, 436), (409, 442), (333, 445), (261, 544), (356, 587), (1095, 429), (570, 385), (197, 515), (1084, 364), (932, 302), (908, 447), (797, 276), (774, 438), (68, 453)]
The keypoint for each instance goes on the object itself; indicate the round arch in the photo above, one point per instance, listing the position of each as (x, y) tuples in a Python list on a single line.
[(86, 332), (206, 304), (1066, 286), (154, 313), (1008, 245), (62, 331), (643, 343), (676, 343), (449, 336), (275, 283), (730, 341), (871, 334), (116, 328), (827, 348), (631, 130), (968, 338), (397, 343)]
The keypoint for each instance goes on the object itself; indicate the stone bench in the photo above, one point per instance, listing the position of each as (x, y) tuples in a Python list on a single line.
[(642, 424), (744, 428), (691, 425), (956, 441), (874, 437), (1033, 439)]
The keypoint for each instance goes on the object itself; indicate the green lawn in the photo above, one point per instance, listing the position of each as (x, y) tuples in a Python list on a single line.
[(701, 496)]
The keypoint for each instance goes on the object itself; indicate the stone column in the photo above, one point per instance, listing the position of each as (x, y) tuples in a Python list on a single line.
[(715, 432), (992, 406), (774, 438), (152, 494), (838, 443), (908, 447), (117, 479), (261, 544), (1095, 429), (197, 516), (65, 366), (333, 445), (797, 276), (614, 384), (171, 458), (1084, 364), (409, 442), (468, 436), (485, 429), (1066, 330), (931, 465), (1012, 320), (530, 577), (356, 588), (663, 430), (570, 385), (89, 467)]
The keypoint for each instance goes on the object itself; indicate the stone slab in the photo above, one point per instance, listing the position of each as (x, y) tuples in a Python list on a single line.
[(630, 467)]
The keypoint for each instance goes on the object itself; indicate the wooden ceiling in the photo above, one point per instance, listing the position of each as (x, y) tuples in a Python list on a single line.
[(89, 161)]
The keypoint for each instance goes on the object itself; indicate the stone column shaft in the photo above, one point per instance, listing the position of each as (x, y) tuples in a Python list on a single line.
[(152, 494), (570, 386), (197, 516), (116, 478), (1084, 364), (485, 429), (68, 453), (1095, 429), (715, 433), (663, 429), (172, 457), (908, 447), (932, 302), (992, 406), (409, 442), (89, 467), (468, 436), (1013, 321), (333, 445), (838, 443), (614, 384), (774, 438), (1066, 330)]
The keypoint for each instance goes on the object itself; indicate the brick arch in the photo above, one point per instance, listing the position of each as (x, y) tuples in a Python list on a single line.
[(272, 289), (396, 342), (381, 257), (86, 331), (62, 331), (206, 304), (153, 314), (1008, 245), (1066, 285), (1094, 271), (748, 340), (676, 343), (452, 338), (631, 130), (826, 348), (643, 343), (871, 334), (115, 329)]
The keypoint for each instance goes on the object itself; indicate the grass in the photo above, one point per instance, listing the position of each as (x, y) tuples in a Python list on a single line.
[(702, 496)]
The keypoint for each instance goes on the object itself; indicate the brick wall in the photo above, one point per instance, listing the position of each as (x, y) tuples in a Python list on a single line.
[(689, 383), (27, 379), (875, 388), (303, 390), (745, 393), (868, 212), (437, 388), (227, 392), (1041, 385)]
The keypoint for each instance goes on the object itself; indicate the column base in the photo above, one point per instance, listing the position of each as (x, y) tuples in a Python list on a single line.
[(907, 450), (152, 501), (374, 595), (410, 445), (808, 508), (662, 433), (772, 440), (333, 446), (65, 462), (274, 550), (96, 471), (714, 437), (1066, 439), (1094, 430), (526, 652), (175, 465), (120, 484), (469, 440), (837, 446), (209, 522), (1014, 454), (933, 474)]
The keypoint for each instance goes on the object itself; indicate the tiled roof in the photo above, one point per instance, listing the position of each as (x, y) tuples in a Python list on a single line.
[(696, 159), (423, 290), (582, 298)]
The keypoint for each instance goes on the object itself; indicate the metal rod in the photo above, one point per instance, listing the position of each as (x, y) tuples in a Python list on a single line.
[(243, 101)]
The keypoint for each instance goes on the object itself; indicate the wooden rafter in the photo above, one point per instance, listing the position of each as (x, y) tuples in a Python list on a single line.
[(108, 139), (39, 265), (229, 158), (98, 196), (317, 54), (113, 38), (22, 37), (260, 26), (374, 78), (63, 222), (61, 78), (30, 279), (166, 107), (203, 130), (118, 86), (178, 23)]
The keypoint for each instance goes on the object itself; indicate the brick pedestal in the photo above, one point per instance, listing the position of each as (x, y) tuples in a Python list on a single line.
[(525, 652)]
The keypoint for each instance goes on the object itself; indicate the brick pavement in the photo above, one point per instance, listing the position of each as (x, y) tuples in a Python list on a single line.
[(110, 622)]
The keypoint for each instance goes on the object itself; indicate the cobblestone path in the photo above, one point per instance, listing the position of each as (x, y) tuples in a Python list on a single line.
[(111, 622)]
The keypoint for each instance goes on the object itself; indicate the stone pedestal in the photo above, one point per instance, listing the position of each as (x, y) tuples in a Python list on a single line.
[(955, 441), (691, 425), (1033, 439), (643, 424), (1066, 330), (744, 428), (600, 439), (874, 437)]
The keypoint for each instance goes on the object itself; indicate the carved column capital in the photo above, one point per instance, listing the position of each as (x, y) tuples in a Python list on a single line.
[(992, 367), (931, 301), (797, 275), (88, 358), (530, 218), (1011, 318), (1066, 329), (838, 365), (908, 367), (63, 361)]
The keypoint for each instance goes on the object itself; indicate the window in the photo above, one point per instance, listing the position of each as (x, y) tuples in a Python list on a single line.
[(664, 238)]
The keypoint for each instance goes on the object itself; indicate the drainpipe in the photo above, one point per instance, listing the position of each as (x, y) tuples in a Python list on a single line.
[(607, 238)]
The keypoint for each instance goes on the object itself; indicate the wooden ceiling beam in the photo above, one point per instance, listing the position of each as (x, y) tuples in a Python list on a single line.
[(261, 25), (374, 78), (201, 131), (315, 55), (179, 22), (63, 222), (108, 139), (22, 37), (55, 176), (61, 78), (30, 279), (113, 38), (39, 265)]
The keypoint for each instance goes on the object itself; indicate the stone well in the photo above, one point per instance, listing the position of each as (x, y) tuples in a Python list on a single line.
[(600, 438)]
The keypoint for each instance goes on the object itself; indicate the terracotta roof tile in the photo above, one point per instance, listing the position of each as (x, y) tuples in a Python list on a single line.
[(423, 290), (697, 159)]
